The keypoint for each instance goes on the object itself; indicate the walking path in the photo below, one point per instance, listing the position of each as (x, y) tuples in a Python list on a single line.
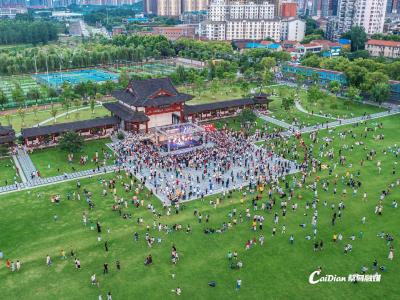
[(344, 122), (303, 110), (26, 165), (273, 120), (38, 182), (19, 168)]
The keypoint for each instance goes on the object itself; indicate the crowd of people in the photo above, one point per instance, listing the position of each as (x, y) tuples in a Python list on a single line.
[(257, 175), (231, 162)]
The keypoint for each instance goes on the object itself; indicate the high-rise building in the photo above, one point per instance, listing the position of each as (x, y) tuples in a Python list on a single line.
[(288, 9), (369, 14), (169, 8), (235, 20), (150, 7), (194, 5), (292, 29)]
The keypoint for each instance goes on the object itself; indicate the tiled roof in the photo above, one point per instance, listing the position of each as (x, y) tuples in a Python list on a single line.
[(141, 93), (125, 113), (383, 43), (193, 109), (71, 126)]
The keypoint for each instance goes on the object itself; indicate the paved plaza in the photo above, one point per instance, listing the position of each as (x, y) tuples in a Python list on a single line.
[(242, 170), (229, 164)]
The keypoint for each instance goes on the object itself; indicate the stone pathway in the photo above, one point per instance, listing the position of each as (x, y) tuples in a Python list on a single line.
[(38, 182), (26, 165), (303, 110), (273, 120), (343, 122), (18, 166)]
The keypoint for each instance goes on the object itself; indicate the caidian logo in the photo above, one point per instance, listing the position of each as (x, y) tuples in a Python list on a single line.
[(326, 278), (350, 278)]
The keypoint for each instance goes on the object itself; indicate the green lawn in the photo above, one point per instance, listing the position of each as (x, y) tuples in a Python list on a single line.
[(234, 123), (8, 172), (44, 114), (338, 107), (276, 270), (293, 116), (329, 106), (54, 161), (225, 92)]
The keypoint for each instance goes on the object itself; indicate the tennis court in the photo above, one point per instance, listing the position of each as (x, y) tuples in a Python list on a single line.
[(75, 77)]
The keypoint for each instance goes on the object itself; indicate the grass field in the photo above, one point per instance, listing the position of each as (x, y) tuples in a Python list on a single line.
[(276, 270), (225, 92), (54, 161), (235, 124), (44, 114), (340, 108), (8, 172)]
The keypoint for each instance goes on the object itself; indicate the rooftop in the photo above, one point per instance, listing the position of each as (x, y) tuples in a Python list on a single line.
[(199, 108), (125, 113), (151, 92), (383, 43), (71, 126)]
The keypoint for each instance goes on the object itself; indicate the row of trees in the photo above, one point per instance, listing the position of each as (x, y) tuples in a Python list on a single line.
[(19, 32), (369, 76), (84, 91), (123, 48)]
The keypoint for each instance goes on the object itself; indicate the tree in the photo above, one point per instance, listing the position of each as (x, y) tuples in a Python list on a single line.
[(3, 98), (373, 78), (53, 112), (93, 102), (67, 95), (8, 118), (268, 63), (357, 36), (288, 102), (300, 79), (181, 74), (214, 88), (247, 115), (33, 94), (334, 87), (314, 94), (77, 104), (123, 79), (35, 110), (21, 113), (51, 93), (199, 84), (355, 74), (71, 142), (380, 92), (244, 87), (268, 78), (353, 93), (17, 95)]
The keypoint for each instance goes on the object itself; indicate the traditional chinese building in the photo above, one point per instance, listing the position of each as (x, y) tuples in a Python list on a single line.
[(224, 109), (144, 104), (48, 136), (7, 136)]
